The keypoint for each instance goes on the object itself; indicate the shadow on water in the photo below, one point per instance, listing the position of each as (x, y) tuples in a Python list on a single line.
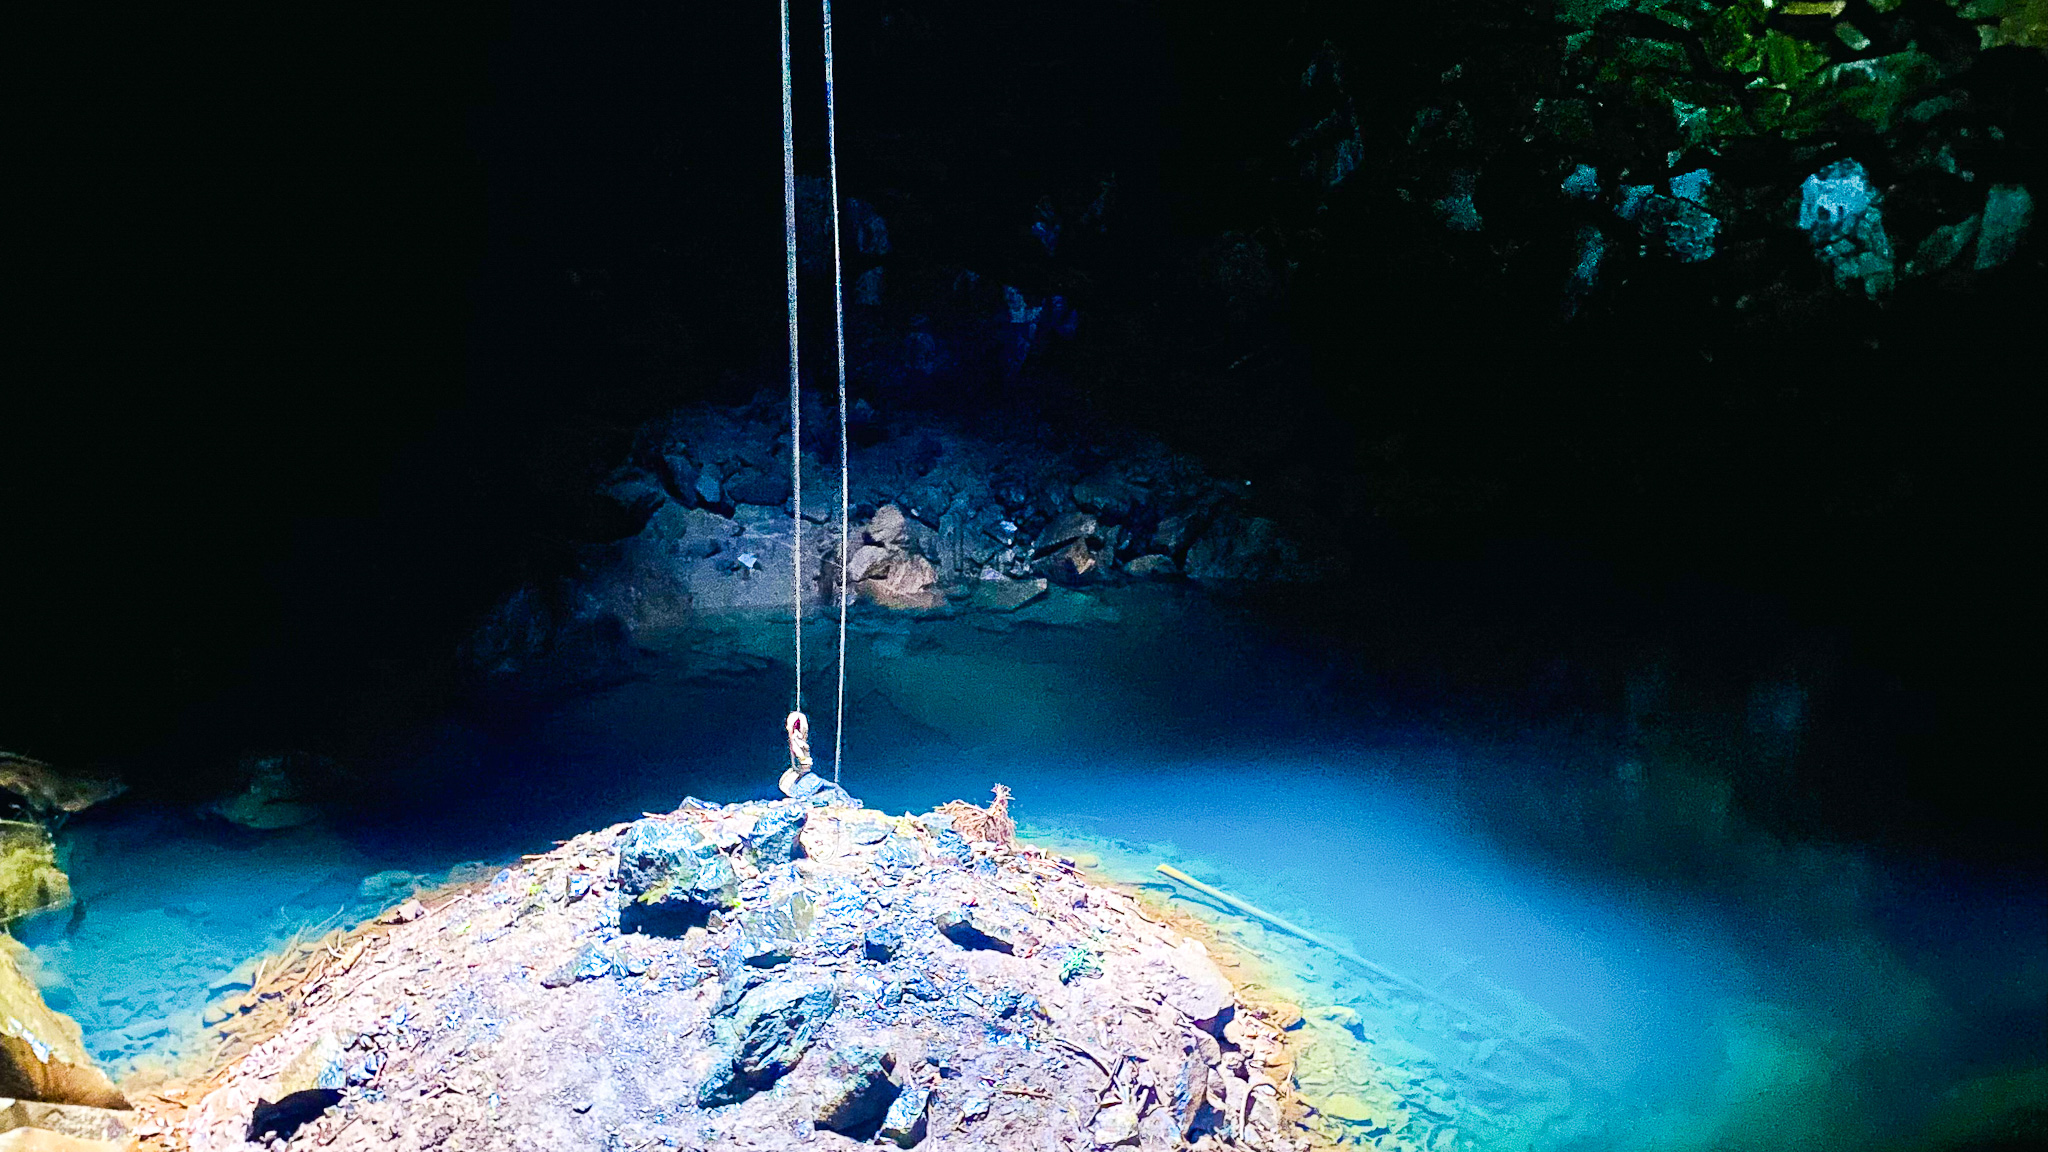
[(1742, 988)]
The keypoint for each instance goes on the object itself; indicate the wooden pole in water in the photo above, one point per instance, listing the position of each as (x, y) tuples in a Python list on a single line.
[(1258, 913), (1477, 1017)]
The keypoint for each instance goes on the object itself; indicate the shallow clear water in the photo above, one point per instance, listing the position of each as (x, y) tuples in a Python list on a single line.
[(1745, 992)]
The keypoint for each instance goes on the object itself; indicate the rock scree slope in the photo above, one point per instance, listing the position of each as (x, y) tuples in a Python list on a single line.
[(792, 973)]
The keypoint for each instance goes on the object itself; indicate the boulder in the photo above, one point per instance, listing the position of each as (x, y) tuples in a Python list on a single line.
[(774, 837), (272, 799), (907, 581), (1006, 595), (46, 792), (1840, 213), (1073, 563), (772, 930), (881, 943), (74, 1121), (41, 1140), (855, 1091), (1236, 548), (865, 559), (591, 962), (975, 926), (904, 1124), (30, 880), (1152, 567), (769, 487), (1108, 492), (889, 527), (42, 1053), (1065, 530), (770, 1029), (671, 877)]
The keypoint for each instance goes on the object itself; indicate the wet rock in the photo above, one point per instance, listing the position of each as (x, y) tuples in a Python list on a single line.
[(904, 1124), (855, 1091), (1005, 595), (670, 877), (1152, 567), (271, 799), (769, 1031), (42, 1055), (1068, 608)]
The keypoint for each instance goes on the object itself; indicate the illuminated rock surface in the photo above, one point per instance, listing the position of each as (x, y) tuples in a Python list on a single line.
[(919, 989)]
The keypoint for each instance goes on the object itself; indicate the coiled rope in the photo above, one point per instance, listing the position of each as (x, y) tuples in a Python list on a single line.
[(796, 726)]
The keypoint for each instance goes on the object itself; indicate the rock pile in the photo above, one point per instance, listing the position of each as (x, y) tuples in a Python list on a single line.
[(780, 974), (942, 517)]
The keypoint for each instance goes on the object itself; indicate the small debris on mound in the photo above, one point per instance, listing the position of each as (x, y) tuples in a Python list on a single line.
[(911, 982), (991, 824)]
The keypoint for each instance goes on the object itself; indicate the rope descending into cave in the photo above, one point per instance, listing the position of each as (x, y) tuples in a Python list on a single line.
[(839, 339), (796, 412), (796, 725)]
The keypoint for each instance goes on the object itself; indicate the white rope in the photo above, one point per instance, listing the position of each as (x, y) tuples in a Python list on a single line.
[(839, 335), (796, 415)]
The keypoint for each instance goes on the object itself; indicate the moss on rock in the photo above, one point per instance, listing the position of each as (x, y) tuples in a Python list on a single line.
[(30, 880)]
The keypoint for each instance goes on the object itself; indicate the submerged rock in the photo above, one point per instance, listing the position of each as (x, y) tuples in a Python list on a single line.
[(272, 799), (42, 1053), (923, 1006)]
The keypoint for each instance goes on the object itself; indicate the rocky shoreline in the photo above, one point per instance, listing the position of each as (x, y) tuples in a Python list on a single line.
[(795, 973)]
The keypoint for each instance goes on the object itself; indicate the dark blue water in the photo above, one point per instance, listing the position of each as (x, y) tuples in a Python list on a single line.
[(1741, 988)]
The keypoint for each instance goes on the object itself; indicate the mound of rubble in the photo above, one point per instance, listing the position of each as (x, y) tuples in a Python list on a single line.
[(944, 519), (795, 973)]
